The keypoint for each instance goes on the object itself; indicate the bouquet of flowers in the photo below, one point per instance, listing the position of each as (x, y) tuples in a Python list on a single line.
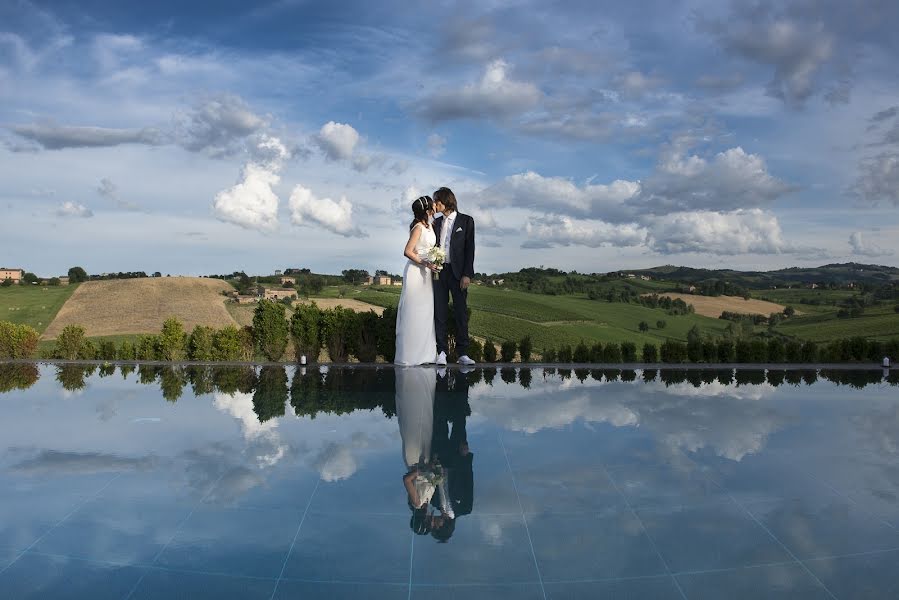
[(433, 474), (436, 256)]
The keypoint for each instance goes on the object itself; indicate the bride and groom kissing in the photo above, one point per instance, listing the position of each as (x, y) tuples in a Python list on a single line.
[(421, 332)]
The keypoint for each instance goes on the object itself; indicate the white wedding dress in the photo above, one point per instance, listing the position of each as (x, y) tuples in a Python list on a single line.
[(416, 338)]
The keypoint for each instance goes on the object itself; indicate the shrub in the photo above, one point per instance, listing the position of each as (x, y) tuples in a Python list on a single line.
[(650, 353), (89, 351), (305, 331), (673, 352), (270, 329), (475, 350), (725, 350), (596, 353), (549, 355), (387, 335), (758, 351), (507, 351), (489, 351), (69, 342), (661, 324), (643, 326), (581, 354), (793, 351), (858, 348), (366, 336), (524, 349), (743, 351), (809, 352), (107, 350), (776, 350), (628, 352), (226, 344), (126, 351), (146, 348), (17, 341), (338, 331), (709, 351), (247, 337), (200, 343), (565, 354), (611, 353), (172, 340)]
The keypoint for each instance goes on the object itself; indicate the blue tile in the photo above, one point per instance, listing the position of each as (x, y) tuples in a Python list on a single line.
[(289, 487), (786, 582), (762, 477), (666, 485), (7, 555), (37, 576), (482, 549), (378, 488), (710, 537), (115, 532), (873, 576), (233, 541), (172, 481), (826, 526), (587, 546), (518, 591), (649, 588), (352, 547), (575, 488), (289, 590), (172, 585)]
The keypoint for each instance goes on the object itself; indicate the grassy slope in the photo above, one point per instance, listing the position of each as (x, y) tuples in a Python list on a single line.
[(881, 322), (33, 305)]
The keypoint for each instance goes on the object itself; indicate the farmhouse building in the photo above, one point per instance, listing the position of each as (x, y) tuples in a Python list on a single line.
[(14, 274), (291, 280), (383, 280), (246, 299), (280, 294)]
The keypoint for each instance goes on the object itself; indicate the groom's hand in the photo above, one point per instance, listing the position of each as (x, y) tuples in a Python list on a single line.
[(465, 283)]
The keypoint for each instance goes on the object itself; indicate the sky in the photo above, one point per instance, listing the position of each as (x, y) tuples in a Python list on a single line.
[(208, 137)]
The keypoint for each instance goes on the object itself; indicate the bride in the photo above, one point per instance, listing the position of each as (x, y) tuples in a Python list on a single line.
[(416, 338)]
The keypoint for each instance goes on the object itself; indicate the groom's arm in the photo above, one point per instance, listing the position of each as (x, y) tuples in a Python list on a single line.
[(468, 270)]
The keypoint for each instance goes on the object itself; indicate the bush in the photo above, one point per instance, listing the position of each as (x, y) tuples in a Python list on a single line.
[(776, 350), (549, 355), (793, 351), (758, 351), (69, 342), (673, 352), (489, 351), (743, 351), (809, 353), (611, 353), (387, 335), (17, 341), (565, 354), (305, 331), (200, 344), (650, 353), (172, 340), (270, 329), (709, 351), (581, 354), (628, 352), (475, 350), (89, 351), (524, 349), (126, 351), (338, 330), (643, 326), (366, 336), (107, 350), (247, 337), (725, 350), (226, 344), (507, 351), (660, 324)]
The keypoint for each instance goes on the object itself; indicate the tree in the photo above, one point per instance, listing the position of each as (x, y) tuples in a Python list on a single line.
[(173, 340), (69, 342), (7, 282), (29, 277), (77, 275), (305, 330), (54, 281), (525, 348), (270, 329), (789, 311), (354, 276), (200, 343), (507, 351), (644, 326), (661, 324)]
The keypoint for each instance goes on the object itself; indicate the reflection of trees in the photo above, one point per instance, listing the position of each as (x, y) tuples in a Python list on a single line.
[(776, 377), (271, 393), (200, 378), (343, 391), (107, 369), (17, 376), (582, 374), (750, 376), (856, 379), (672, 376), (229, 380), (172, 381), (628, 375), (489, 374), (507, 374), (793, 377), (126, 370), (71, 377), (649, 375), (524, 378), (147, 374)]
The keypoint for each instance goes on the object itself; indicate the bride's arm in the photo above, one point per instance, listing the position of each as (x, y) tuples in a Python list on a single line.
[(409, 252)]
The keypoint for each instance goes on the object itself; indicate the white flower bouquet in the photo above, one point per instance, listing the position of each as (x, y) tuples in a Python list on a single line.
[(436, 256)]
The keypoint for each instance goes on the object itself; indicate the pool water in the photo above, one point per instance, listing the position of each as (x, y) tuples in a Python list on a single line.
[(266, 482)]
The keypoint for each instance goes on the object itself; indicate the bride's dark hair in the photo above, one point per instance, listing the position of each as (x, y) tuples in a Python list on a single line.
[(420, 210)]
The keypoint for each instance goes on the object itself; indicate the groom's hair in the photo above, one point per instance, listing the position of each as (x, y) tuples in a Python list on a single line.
[(446, 197)]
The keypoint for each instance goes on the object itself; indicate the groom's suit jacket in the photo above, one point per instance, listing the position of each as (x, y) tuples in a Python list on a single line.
[(461, 244)]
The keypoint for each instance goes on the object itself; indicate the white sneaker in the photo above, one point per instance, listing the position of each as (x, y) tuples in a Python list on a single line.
[(465, 360), (441, 359)]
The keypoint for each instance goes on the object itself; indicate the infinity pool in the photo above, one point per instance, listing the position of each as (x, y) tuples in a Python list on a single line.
[(269, 482)]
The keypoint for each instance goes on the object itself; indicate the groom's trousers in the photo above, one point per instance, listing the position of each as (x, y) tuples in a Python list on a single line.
[(448, 285)]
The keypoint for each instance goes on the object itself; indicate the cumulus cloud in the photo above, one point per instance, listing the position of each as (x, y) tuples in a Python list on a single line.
[(878, 181), (252, 203), (739, 232), (565, 231), (57, 137), (337, 140), (217, 126), (495, 95), (862, 248), (73, 209), (334, 216), (635, 84), (436, 145), (50, 462)]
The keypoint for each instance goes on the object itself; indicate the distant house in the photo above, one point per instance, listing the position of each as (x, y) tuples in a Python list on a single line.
[(279, 294), (631, 276), (246, 299), (645, 277), (291, 280), (383, 280), (691, 289), (63, 280), (368, 281), (277, 271), (15, 275), (398, 282), (497, 281)]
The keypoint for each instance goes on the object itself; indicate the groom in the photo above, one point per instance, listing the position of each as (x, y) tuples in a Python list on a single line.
[(455, 234)]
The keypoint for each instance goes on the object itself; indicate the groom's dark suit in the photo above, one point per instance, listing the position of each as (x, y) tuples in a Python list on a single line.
[(461, 264)]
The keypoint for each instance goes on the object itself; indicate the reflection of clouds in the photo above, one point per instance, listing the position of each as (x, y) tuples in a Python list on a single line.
[(731, 421), (492, 532), (335, 462), (52, 462), (263, 437)]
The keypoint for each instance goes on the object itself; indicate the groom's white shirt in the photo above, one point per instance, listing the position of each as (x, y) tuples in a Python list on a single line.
[(446, 232)]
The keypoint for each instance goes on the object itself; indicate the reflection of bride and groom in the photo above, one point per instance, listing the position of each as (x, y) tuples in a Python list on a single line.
[(421, 323), (439, 481)]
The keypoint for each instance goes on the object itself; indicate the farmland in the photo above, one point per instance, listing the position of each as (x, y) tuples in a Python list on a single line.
[(33, 305)]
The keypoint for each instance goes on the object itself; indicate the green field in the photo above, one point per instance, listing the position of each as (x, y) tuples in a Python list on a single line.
[(551, 321), (33, 305), (880, 322)]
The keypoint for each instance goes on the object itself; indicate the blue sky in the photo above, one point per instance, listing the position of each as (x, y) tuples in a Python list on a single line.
[(195, 138)]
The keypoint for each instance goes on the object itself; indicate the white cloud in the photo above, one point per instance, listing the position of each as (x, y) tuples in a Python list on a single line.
[(109, 190), (337, 140), (334, 216), (878, 181), (73, 209), (56, 137), (217, 126), (436, 145), (494, 96), (862, 248), (739, 232), (635, 84), (565, 231)]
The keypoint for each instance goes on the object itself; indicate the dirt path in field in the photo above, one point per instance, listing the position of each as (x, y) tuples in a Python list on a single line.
[(713, 306), (125, 306)]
